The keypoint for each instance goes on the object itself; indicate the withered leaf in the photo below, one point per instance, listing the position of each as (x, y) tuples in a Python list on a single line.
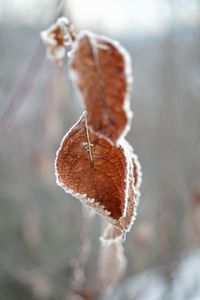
[(94, 170), (118, 230), (101, 69), (127, 219), (56, 38)]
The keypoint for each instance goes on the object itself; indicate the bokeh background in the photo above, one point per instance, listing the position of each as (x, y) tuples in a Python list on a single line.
[(40, 225)]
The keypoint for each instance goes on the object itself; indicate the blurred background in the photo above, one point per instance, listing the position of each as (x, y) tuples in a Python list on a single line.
[(40, 225)]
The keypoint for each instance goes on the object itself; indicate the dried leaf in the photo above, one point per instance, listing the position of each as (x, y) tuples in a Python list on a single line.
[(92, 169), (56, 38), (101, 69), (118, 231), (129, 216)]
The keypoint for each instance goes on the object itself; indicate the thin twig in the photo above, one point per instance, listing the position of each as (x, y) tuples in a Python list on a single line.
[(26, 83)]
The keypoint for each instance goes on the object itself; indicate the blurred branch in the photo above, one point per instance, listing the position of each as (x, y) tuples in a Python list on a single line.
[(26, 83), (23, 89), (80, 262)]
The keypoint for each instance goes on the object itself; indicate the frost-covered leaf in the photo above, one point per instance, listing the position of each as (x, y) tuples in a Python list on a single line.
[(101, 69), (118, 231), (135, 175), (94, 170), (56, 38)]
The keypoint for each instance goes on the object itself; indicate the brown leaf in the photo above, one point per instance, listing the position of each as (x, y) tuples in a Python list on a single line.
[(92, 169), (118, 230), (101, 69), (135, 175), (127, 220)]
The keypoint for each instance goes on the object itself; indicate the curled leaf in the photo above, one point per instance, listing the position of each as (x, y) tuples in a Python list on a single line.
[(94, 170), (56, 38), (118, 231), (101, 69)]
